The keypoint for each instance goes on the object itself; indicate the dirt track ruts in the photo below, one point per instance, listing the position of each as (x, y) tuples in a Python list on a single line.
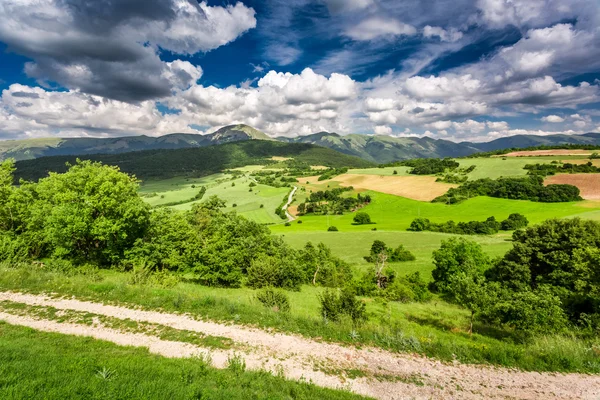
[(416, 377)]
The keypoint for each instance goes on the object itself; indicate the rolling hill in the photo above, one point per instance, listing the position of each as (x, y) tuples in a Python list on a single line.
[(34, 148), (378, 149), (197, 162)]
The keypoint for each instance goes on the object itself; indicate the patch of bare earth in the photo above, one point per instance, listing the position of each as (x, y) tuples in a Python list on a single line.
[(423, 188), (588, 184), (595, 162), (556, 152), (386, 375)]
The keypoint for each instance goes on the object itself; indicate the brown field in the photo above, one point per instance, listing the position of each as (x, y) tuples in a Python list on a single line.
[(588, 184), (423, 188), (595, 162), (557, 152)]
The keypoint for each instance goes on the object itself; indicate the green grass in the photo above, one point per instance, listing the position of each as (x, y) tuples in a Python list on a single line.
[(248, 203), (393, 213), (353, 246), (496, 167), (435, 329), (38, 365)]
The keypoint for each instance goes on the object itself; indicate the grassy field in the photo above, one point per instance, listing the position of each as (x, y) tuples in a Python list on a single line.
[(247, 203), (37, 365), (353, 246), (393, 213)]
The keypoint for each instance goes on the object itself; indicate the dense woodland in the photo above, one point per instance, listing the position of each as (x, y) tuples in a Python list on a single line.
[(332, 202), (162, 164)]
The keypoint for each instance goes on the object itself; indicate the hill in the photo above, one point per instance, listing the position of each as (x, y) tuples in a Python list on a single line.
[(34, 148), (384, 149), (378, 148), (201, 161)]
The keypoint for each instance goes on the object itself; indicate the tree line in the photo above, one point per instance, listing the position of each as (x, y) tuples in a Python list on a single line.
[(522, 188), (488, 227)]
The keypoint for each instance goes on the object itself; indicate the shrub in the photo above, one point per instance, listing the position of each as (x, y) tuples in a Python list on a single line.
[(362, 218), (13, 248), (299, 221), (513, 222), (234, 205), (401, 254), (274, 299), (281, 272), (287, 224), (334, 305), (332, 229)]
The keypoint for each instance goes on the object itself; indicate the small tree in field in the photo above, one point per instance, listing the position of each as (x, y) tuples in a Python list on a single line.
[(362, 218)]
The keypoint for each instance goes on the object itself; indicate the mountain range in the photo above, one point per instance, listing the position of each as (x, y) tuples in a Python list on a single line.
[(378, 149)]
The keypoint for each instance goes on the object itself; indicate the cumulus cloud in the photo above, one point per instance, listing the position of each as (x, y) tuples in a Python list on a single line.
[(110, 48), (553, 119), (375, 27)]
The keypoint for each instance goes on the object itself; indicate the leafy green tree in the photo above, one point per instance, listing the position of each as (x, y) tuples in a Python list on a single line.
[(514, 221), (362, 218), (561, 254), (92, 212), (457, 255), (280, 272), (466, 288), (169, 243)]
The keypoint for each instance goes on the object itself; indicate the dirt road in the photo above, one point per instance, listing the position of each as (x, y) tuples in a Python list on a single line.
[(383, 375)]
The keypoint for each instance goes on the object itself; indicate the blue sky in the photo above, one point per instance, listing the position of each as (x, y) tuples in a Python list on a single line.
[(456, 70)]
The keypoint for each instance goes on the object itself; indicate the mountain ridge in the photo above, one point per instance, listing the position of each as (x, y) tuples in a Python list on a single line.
[(377, 148)]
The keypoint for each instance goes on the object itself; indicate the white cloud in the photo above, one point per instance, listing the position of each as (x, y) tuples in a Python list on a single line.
[(444, 35), (375, 27), (553, 119), (469, 125), (336, 6), (382, 130)]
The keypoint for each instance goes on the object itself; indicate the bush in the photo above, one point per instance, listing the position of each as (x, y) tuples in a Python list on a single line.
[(362, 218), (401, 254), (332, 229), (299, 221), (333, 306), (281, 272), (287, 224), (276, 300), (513, 222), (13, 249)]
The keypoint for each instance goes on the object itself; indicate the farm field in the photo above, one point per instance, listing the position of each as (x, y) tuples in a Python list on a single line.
[(588, 184), (416, 187)]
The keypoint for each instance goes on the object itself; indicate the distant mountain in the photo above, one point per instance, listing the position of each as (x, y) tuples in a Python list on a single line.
[(34, 148), (383, 149), (378, 149), (200, 161), (523, 141)]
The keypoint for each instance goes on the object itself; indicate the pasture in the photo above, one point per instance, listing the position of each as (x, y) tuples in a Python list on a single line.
[(233, 191)]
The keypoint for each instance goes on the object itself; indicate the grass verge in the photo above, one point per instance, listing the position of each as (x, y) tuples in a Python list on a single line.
[(38, 365)]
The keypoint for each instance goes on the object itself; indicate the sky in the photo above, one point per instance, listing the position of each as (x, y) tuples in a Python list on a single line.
[(448, 69)]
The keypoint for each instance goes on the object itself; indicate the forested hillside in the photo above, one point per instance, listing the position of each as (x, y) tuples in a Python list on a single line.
[(195, 161)]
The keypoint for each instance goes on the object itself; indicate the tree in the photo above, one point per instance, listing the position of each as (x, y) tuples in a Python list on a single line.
[(362, 218), (92, 212), (468, 290), (560, 254), (457, 255)]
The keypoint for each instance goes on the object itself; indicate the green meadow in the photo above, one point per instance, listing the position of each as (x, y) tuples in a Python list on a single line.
[(233, 191)]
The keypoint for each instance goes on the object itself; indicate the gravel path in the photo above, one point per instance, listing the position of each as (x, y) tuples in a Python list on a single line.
[(388, 375)]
